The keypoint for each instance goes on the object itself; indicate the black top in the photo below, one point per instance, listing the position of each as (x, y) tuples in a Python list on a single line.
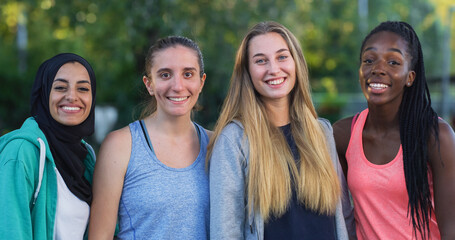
[(299, 222)]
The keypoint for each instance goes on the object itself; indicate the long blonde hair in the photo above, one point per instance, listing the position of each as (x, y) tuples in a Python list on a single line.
[(271, 164)]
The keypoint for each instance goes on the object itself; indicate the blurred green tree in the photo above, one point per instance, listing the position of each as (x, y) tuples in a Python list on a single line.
[(114, 37)]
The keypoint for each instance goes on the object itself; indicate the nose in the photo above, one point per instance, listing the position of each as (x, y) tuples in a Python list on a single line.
[(178, 83), (274, 67), (71, 95), (378, 69)]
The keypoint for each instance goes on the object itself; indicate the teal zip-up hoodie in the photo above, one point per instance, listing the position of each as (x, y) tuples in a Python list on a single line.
[(21, 217)]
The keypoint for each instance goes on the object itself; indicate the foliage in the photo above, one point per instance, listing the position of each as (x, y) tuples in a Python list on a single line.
[(114, 37)]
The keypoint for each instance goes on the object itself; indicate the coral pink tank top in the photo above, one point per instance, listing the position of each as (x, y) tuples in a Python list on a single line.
[(379, 193)]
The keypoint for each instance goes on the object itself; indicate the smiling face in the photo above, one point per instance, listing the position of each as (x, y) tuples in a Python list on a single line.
[(70, 99), (384, 71), (271, 67), (175, 80)]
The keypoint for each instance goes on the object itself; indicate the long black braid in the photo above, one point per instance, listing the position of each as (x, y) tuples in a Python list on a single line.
[(418, 121)]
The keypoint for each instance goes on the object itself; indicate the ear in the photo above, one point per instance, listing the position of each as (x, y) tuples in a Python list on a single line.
[(148, 84), (410, 79), (202, 82)]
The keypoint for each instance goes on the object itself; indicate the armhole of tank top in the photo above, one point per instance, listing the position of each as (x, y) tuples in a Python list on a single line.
[(146, 135)]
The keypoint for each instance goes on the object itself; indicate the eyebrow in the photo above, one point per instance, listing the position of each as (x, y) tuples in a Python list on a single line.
[(190, 69), (170, 70), (66, 81), (390, 49), (279, 51), (164, 70)]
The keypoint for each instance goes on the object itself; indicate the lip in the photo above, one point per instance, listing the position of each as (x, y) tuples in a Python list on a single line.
[(377, 87), (70, 108), (178, 99), (276, 82)]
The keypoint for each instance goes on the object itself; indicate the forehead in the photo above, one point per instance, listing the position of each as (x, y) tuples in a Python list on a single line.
[(268, 43), (72, 71), (386, 40), (176, 57)]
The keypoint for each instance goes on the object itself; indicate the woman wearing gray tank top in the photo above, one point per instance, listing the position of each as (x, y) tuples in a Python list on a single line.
[(150, 175)]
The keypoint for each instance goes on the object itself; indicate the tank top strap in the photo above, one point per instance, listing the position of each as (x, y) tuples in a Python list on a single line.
[(138, 139), (135, 129), (357, 128), (202, 134), (146, 135)]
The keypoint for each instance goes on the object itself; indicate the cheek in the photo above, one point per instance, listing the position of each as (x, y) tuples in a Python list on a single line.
[(89, 101), (255, 73), (53, 100), (256, 78), (158, 88), (257, 86), (196, 86), (401, 75), (363, 71)]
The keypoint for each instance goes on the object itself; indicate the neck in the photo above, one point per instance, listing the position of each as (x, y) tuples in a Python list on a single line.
[(173, 126), (383, 118), (278, 112)]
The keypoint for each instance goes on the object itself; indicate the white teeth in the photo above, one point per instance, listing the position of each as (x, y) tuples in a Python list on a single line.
[(178, 99), (71, 108), (276, 82), (378, 85)]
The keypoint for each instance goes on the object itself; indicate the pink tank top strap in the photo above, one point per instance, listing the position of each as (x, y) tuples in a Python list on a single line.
[(354, 120)]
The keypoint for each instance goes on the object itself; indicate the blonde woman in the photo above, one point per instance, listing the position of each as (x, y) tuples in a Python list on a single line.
[(272, 163)]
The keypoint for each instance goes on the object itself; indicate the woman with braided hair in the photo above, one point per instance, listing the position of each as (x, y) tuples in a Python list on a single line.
[(398, 156)]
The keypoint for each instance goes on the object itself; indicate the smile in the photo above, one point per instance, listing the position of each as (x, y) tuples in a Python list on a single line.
[(275, 82), (378, 85), (177, 99), (66, 108)]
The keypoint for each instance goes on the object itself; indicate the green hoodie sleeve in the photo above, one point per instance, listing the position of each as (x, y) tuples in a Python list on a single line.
[(18, 161)]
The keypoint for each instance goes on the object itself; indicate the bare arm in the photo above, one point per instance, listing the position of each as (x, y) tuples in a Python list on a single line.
[(342, 135), (108, 180), (443, 167)]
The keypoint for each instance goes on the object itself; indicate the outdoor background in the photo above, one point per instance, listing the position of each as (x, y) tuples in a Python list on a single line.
[(114, 35)]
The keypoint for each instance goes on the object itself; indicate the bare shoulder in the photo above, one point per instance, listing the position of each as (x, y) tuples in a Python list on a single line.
[(446, 132), (116, 147), (443, 149), (118, 137), (342, 132), (446, 137)]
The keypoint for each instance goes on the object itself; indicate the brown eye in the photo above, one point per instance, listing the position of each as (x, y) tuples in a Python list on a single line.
[(84, 89), (188, 74), (165, 75), (59, 88)]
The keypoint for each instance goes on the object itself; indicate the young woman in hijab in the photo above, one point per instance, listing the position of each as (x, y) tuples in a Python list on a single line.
[(45, 166)]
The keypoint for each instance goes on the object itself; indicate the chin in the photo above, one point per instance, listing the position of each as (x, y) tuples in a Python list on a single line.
[(70, 123)]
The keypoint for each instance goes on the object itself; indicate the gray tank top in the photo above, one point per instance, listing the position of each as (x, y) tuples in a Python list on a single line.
[(160, 202)]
